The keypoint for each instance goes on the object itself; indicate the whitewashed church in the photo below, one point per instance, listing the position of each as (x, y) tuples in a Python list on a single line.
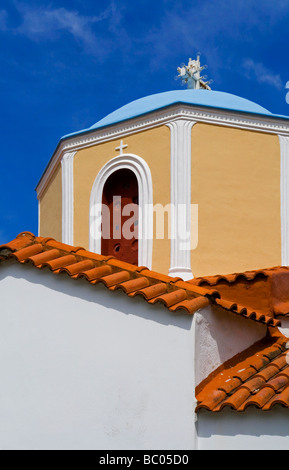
[(151, 310)]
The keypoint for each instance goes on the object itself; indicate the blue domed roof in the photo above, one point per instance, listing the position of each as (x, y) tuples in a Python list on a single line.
[(202, 98), (212, 99)]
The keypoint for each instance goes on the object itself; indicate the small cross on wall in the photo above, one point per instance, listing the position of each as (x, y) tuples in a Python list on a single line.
[(121, 147)]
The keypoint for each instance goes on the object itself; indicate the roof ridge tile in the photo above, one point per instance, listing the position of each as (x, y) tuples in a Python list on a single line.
[(60, 262), (247, 312), (76, 268), (191, 305), (171, 298), (24, 254), (151, 291), (95, 273), (114, 279), (134, 285)]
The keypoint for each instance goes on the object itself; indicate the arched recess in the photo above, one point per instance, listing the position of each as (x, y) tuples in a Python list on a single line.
[(143, 175)]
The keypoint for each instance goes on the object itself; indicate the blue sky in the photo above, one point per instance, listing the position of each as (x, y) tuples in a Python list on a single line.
[(66, 64)]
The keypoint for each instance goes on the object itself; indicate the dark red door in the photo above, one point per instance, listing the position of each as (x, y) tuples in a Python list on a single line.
[(120, 220)]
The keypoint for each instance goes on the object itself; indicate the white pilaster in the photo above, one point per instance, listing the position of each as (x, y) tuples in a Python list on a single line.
[(67, 197), (181, 198), (284, 189), (39, 219)]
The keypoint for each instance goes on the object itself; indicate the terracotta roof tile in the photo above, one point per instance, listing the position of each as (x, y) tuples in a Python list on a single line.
[(76, 268), (134, 285), (76, 262), (247, 312), (235, 400), (267, 373), (278, 399), (245, 374), (278, 382), (152, 292), (115, 278), (24, 254), (191, 305), (216, 397), (172, 298), (24, 239), (60, 262), (257, 377), (174, 293), (280, 362), (262, 290), (43, 257), (95, 273), (259, 399), (254, 384), (260, 361), (230, 385)]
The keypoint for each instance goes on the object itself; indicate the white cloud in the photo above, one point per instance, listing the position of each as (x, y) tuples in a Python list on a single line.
[(222, 31), (257, 71), (38, 23), (47, 23)]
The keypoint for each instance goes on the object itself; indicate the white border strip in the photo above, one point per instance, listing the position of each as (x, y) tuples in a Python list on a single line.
[(284, 188), (180, 197), (67, 198)]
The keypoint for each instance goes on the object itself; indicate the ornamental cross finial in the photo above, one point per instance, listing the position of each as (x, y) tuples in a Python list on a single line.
[(190, 74), (121, 147)]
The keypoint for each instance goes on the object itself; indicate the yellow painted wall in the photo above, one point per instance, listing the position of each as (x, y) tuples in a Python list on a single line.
[(51, 208), (153, 146), (236, 183)]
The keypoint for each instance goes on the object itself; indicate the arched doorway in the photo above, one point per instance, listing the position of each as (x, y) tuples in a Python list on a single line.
[(120, 216), (145, 188)]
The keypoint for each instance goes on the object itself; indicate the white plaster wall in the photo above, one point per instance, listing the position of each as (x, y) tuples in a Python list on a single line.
[(284, 328), (85, 368), (251, 430), (220, 335)]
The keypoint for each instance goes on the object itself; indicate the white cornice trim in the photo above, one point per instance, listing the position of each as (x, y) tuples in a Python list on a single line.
[(267, 124), (145, 187), (181, 198), (67, 198), (284, 190)]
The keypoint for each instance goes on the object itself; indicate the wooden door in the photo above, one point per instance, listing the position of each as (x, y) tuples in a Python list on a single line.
[(120, 222)]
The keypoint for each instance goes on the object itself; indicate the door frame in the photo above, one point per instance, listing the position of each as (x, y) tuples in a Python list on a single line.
[(145, 235)]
